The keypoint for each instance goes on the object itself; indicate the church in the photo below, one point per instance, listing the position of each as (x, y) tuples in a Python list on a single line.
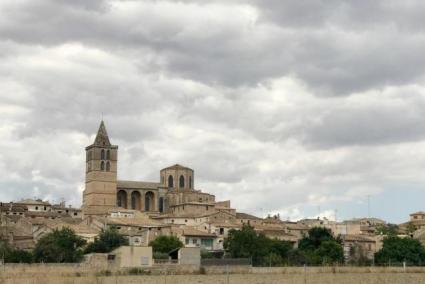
[(174, 193)]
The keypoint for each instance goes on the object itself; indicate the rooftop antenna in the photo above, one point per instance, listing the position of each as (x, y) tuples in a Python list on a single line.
[(368, 206)]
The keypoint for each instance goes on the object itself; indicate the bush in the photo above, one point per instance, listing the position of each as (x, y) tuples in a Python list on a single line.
[(138, 271), (104, 273), (160, 255), (12, 255)]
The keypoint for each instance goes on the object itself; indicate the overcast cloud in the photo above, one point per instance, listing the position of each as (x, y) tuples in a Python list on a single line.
[(286, 107)]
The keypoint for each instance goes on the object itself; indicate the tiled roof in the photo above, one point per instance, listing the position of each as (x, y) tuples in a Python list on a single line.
[(246, 216), (190, 231), (141, 222), (356, 238), (33, 202)]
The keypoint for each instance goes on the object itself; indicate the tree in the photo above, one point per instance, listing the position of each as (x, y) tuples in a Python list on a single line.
[(315, 237), (59, 246), (387, 229), (263, 251), (241, 243), (320, 247), (108, 240), (398, 250), (165, 244)]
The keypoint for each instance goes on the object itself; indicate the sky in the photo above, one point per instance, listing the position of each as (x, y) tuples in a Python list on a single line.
[(302, 108)]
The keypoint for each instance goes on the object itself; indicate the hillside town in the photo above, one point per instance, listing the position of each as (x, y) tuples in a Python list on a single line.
[(142, 211)]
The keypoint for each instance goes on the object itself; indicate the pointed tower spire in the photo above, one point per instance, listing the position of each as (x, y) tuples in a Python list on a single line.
[(102, 138)]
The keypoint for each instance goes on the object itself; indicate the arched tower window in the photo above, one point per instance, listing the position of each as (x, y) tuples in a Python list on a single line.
[(122, 199), (161, 204), (170, 181), (108, 166), (181, 181), (102, 155), (135, 200), (190, 182), (102, 166), (149, 201), (108, 155)]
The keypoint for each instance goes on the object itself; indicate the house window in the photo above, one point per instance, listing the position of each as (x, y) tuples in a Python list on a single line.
[(102, 166), (170, 181), (36, 207), (221, 231), (102, 155), (207, 243), (108, 166), (195, 241), (190, 182), (75, 213), (108, 155)]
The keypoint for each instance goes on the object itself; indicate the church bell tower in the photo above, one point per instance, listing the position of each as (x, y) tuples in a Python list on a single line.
[(100, 193)]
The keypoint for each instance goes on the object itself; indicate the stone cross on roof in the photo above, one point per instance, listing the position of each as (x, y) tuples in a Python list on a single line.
[(102, 138)]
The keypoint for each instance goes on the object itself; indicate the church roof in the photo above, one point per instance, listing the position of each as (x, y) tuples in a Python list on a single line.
[(102, 138), (176, 167)]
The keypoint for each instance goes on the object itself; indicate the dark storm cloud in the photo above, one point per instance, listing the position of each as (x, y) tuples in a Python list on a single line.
[(356, 45)]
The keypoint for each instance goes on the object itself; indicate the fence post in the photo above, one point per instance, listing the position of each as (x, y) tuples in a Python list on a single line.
[(227, 273)]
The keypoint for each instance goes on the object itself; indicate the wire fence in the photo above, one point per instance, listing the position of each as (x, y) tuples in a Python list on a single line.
[(225, 261)]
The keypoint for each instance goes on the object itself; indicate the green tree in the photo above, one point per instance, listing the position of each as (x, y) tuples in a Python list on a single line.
[(263, 251), (397, 250), (315, 237), (165, 244), (330, 252), (387, 230), (108, 240), (59, 246), (320, 247), (241, 243)]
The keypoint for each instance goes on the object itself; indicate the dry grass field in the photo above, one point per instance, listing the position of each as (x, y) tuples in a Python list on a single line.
[(49, 274)]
